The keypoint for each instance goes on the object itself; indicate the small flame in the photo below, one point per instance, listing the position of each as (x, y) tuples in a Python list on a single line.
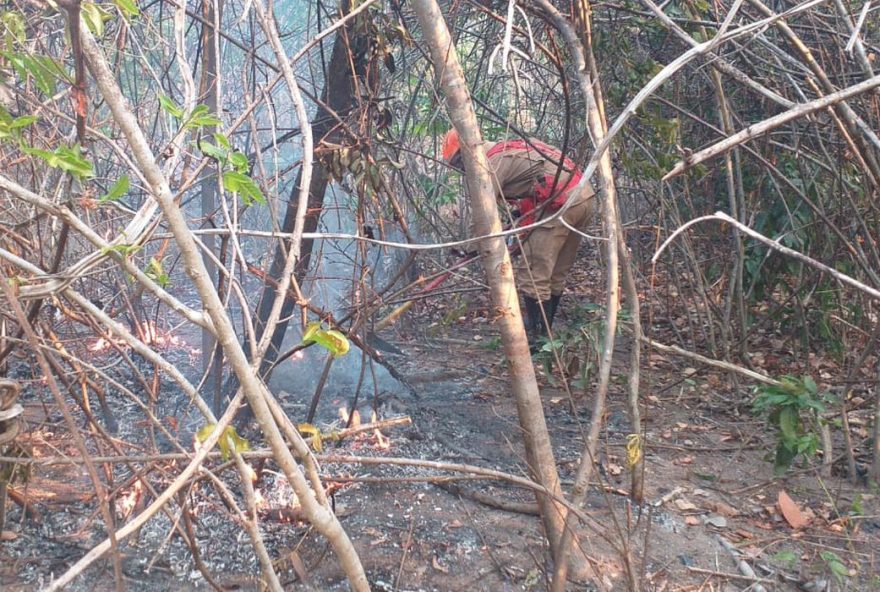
[(344, 415), (125, 504), (381, 441)]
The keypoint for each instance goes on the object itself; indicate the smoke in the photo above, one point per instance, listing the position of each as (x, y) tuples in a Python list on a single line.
[(344, 275)]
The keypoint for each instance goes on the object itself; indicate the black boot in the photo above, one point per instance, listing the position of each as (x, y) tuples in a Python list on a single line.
[(551, 307), (534, 322)]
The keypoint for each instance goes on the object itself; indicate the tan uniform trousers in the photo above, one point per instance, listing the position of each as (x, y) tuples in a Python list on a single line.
[(550, 250)]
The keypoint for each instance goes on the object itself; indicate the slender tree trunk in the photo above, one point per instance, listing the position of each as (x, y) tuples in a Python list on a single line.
[(209, 91), (338, 98), (616, 256), (499, 272)]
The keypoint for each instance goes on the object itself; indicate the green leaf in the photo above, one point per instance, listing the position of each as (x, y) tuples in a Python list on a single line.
[(14, 30), (784, 457), (785, 557), (239, 183), (119, 189), (129, 8), (43, 69), (222, 140), (10, 127), (124, 250), (212, 151), (240, 162), (201, 116), (788, 424), (810, 385), (330, 339), (22, 122), (171, 107), (835, 564), (69, 160), (156, 272)]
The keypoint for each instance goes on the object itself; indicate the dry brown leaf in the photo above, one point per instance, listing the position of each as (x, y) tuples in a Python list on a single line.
[(8, 535), (790, 511), (720, 508), (298, 566), (439, 566)]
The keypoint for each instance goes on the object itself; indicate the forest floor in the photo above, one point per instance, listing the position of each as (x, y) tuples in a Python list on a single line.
[(711, 497)]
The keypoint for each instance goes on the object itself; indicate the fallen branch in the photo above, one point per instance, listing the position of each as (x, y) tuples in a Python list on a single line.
[(732, 576), (720, 364), (340, 435)]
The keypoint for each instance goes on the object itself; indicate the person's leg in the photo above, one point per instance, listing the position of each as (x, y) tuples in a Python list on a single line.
[(577, 216), (534, 270)]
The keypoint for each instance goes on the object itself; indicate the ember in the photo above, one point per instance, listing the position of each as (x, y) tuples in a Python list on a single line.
[(150, 334)]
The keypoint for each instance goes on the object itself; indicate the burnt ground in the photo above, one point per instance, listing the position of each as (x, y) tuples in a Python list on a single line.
[(707, 482)]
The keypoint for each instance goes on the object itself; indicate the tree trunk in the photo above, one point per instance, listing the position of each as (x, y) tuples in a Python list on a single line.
[(499, 273), (338, 98)]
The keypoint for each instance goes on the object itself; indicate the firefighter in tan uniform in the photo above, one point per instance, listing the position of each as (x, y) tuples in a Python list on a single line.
[(533, 179)]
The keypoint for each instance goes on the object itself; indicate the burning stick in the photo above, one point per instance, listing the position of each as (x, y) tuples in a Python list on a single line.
[(366, 427), (377, 425)]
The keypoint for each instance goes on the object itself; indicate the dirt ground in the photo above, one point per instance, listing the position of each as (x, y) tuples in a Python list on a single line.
[(711, 496)]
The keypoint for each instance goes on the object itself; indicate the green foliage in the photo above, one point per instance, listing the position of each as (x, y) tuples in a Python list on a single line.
[(95, 16), (69, 160), (171, 107), (201, 117), (243, 185), (577, 346), (129, 8), (156, 272), (835, 565), (237, 179), (11, 127), (116, 192), (793, 408), (13, 29), (43, 70), (787, 557), (123, 250), (330, 339)]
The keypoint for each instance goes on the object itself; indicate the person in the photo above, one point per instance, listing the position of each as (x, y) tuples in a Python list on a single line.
[(534, 180)]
